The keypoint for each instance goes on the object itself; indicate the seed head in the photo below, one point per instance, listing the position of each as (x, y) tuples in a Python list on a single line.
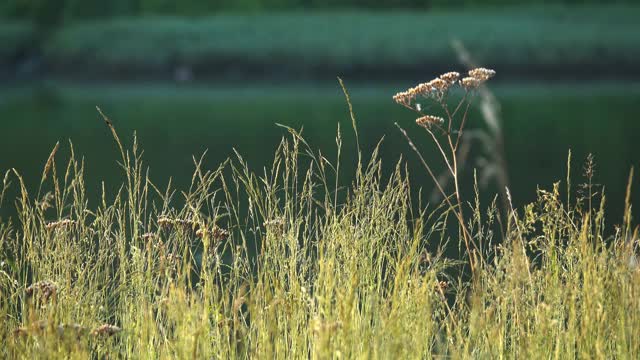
[(106, 330), (429, 120), (404, 97), (59, 224), (220, 233), (442, 286), (47, 289), (451, 77), (482, 74), (439, 84), (165, 222), (470, 83)]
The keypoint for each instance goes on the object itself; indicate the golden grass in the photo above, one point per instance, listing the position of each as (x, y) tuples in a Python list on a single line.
[(276, 265)]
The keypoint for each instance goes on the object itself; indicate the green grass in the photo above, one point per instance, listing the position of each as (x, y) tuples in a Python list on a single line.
[(310, 267), (311, 41)]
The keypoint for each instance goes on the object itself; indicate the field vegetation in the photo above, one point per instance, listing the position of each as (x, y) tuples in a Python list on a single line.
[(290, 262)]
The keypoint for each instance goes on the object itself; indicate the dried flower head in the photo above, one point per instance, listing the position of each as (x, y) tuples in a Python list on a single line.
[(482, 74), (220, 233), (47, 289), (470, 83), (173, 258), (451, 77), (439, 84), (404, 97), (429, 120), (148, 236), (442, 286), (106, 330), (59, 224), (187, 224), (165, 222), (276, 225), (274, 222), (21, 331), (216, 232)]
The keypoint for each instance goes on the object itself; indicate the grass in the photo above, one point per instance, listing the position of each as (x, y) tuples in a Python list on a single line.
[(289, 262), (306, 42)]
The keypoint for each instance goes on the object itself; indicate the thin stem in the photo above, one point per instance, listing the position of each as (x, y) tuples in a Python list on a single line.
[(464, 120), (458, 214)]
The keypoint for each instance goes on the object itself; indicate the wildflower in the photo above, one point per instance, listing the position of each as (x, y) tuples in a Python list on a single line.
[(220, 233), (424, 89), (46, 288), (187, 224), (470, 83), (441, 286), (165, 222), (404, 98), (59, 224), (482, 74), (439, 84), (451, 77), (173, 258), (106, 330), (148, 236), (428, 120), (277, 224)]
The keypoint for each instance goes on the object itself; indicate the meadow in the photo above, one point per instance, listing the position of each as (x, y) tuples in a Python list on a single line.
[(292, 261)]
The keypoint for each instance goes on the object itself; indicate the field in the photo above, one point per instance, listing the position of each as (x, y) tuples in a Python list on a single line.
[(291, 261)]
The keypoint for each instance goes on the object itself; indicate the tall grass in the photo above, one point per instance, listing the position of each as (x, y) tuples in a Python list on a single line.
[(288, 262)]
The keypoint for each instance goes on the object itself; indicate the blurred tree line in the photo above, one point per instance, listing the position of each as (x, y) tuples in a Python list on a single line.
[(47, 14)]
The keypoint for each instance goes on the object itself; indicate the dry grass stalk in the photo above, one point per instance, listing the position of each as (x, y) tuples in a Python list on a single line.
[(50, 161)]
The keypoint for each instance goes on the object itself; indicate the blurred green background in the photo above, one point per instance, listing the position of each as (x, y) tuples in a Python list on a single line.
[(194, 75)]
